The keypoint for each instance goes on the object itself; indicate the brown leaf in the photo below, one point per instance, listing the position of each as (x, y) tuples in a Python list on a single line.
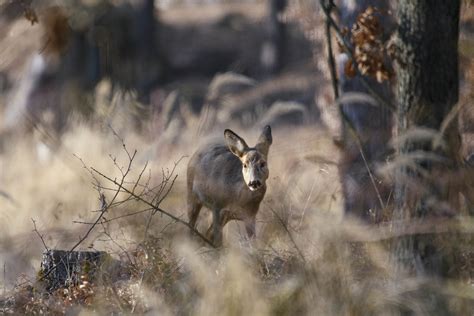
[(369, 48), (349, 69), (30, 15)]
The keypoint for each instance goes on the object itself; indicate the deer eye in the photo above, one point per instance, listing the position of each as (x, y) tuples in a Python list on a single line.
[(262, 165), (245, 166)]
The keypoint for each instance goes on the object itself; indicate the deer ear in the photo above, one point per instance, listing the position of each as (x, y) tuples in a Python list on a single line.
[(265, 140), (235, 143)]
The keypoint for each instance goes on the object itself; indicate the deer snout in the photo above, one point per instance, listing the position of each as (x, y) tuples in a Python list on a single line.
[(254, 185)]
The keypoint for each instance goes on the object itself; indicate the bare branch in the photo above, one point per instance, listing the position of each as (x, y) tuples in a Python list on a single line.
[(104, 208), (153, 206), (116, 218), (39, 235), (332, 64)]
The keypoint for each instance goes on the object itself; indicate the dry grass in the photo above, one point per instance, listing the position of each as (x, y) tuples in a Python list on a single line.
[(53, 189), (306, 259)]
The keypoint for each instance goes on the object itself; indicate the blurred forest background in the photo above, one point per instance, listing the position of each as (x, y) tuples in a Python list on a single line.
[(370, 197)]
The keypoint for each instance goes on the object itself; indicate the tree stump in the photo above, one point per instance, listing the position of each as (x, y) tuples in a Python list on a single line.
[(62, 268)]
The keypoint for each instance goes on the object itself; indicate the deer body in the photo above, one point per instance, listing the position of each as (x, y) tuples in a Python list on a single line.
[(230, 180)]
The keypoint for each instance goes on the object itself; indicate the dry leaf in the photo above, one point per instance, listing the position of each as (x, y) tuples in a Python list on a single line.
[(30, 15)]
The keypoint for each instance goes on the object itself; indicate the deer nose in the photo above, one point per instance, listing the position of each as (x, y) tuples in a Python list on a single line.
[(255, 184)]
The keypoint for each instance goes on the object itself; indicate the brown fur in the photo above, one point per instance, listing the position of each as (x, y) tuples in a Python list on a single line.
[(229, 179)]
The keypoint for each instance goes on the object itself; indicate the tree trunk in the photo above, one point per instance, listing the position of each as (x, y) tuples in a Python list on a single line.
[(365, 196), (151, 62), (428, 87), (273, 53)]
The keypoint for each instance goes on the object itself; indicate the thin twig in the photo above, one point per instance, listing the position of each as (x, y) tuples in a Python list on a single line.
[(356, 137), (141, 199), (39, 235), (290, 235), (331, 62), (170, 187), (117, 244), (105, 221), (140, 177), (104, 208), (372, 178), (306, 203)]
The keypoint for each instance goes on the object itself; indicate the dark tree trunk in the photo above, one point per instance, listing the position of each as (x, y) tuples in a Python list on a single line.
[(428, 87), (365, 197), (428, 79), (151, 60), (273, 53)]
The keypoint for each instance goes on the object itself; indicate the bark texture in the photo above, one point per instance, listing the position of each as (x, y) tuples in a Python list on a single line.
[(61, 268), (428, 78), (428, 88)]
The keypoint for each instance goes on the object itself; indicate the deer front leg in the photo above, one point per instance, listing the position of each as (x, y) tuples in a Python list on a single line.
[(225, 216), (250, 227), (194, 208), (216, 227)]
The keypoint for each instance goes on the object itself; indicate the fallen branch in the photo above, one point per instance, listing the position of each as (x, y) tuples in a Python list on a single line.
[(154, 207)]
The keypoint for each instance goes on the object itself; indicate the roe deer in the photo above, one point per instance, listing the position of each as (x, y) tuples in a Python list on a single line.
[(229, 179)]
